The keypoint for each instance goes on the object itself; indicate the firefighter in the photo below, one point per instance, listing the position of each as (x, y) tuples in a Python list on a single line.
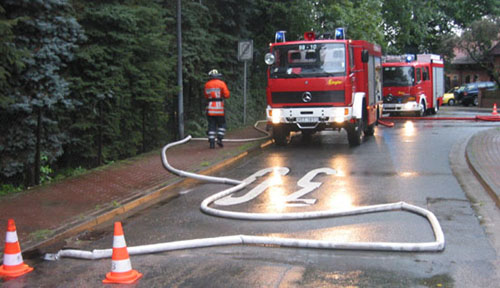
[(215, 92)]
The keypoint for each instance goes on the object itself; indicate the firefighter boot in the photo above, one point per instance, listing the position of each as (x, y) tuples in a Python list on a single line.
[(219, 142), (212, 143)]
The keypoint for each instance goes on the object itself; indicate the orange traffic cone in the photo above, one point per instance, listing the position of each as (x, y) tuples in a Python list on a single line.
[(13, 265), (121, 269), (495, 109)]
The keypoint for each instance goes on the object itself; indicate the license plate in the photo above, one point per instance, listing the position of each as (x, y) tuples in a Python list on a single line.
[(307, 119)]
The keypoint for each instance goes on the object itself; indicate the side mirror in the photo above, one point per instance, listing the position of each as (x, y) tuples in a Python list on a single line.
[(365, 56)]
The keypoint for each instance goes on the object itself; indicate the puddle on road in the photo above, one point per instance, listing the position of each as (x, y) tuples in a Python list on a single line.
[(370, 278)]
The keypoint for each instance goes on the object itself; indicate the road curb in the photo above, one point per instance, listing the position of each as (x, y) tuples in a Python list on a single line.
[(478, 172), (140, 201)]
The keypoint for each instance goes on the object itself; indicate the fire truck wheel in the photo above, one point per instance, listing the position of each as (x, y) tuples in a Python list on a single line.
[(370, 130), (281, 135), (421, 112), (433, 111), (475, 102), (355, 133)]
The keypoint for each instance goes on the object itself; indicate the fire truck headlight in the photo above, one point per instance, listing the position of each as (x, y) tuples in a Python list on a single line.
[(276, 116), (269, 58), (411, 105), (338, 115)]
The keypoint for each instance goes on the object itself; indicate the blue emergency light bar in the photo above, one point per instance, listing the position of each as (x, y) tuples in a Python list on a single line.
[(279, 37), (410, 58), (339, 33)]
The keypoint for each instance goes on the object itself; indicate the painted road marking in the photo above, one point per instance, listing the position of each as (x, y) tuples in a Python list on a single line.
[(292, 200)]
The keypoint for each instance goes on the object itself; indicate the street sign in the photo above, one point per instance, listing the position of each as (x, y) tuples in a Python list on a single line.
[(245, 50)]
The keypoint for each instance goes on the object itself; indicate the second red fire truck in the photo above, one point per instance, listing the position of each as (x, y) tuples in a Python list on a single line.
[(413, 84), (323, 82)]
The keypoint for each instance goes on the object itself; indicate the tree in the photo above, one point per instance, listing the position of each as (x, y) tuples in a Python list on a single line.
[(11, 60), (201, 52), (362, 19), (263, 18), (463, 13), (410, 25), (49, 34), (123, 77), (413, 26), (478, 41), (149, 76)]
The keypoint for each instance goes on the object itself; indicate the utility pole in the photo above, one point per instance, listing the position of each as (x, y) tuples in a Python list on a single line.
[(179, 72), (245, 93)]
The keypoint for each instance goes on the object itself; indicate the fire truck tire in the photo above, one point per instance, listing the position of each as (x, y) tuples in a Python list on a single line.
[(281, 135), (370, 130), (355, 133), (421, 112), (433, 111)]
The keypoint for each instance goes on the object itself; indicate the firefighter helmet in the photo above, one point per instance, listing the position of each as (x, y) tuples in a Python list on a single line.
[(214, 73)]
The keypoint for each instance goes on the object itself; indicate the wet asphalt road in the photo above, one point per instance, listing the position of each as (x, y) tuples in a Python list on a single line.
[(409, 162)]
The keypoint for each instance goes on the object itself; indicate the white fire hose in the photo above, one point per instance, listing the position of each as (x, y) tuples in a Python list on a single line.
[(435, 246), (203, 177)]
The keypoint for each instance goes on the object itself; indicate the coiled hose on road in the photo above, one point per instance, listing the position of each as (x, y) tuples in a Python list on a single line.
[(437, 245)]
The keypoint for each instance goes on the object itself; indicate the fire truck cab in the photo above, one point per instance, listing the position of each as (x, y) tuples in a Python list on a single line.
[(321, 83), (413, 84)]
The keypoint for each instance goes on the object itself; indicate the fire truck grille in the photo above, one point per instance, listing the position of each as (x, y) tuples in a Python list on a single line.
[(313, 97), (398, 99)]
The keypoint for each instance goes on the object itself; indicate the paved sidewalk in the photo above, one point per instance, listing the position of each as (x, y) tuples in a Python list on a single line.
[(483, 156), (46, 213)]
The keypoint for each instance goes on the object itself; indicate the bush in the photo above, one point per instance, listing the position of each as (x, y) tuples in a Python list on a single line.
[(6, 189)]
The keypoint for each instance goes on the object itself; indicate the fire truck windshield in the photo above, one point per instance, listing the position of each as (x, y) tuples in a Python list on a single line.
[(309, 60), (398, 76)]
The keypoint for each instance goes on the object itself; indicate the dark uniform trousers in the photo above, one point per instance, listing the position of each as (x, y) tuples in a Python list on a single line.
[(216, 128)]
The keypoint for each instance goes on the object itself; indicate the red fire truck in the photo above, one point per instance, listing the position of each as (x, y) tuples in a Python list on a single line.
[(413, 84), (324, 82)]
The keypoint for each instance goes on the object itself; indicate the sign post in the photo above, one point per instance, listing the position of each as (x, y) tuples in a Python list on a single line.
[(245, 54)]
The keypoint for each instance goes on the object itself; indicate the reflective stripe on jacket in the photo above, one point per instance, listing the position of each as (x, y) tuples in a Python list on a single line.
[(216, 89)]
